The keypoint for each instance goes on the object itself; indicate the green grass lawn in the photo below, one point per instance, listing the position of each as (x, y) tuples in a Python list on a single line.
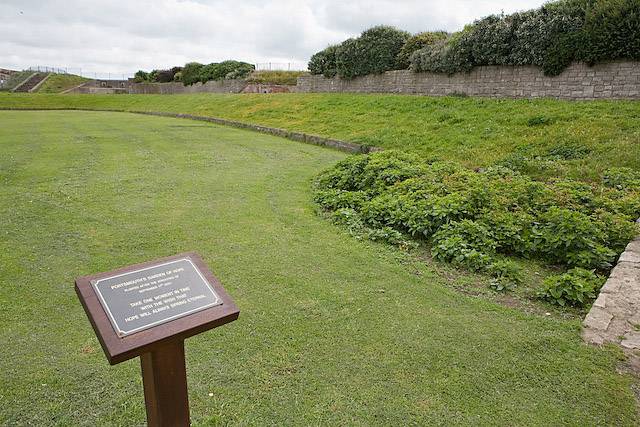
[(332, 330), (57, 83), (474, 131)]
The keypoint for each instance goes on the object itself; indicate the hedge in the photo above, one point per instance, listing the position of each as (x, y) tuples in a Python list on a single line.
[(374, 52), (550, 37)]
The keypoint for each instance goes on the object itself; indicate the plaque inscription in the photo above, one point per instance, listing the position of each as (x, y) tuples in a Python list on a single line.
[(153, 295)]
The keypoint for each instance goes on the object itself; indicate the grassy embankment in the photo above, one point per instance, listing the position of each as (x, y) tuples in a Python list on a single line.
[(57, 83), (475, 132), (333, 330)]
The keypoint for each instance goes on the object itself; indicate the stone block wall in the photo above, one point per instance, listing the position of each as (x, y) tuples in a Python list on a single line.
[(219, 86), (612, 80)]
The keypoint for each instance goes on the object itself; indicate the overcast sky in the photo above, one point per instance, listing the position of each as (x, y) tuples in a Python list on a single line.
[(124, 36)]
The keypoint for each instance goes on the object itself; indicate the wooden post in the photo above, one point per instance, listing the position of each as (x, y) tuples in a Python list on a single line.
[(164, 376)]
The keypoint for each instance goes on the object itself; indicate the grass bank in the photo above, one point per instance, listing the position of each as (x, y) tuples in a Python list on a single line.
[(333, 330), (57, 83), (475, 132)]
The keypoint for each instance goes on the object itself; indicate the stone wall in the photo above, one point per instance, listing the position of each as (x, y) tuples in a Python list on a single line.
[(219, 86), (615, 315), (613, 80)]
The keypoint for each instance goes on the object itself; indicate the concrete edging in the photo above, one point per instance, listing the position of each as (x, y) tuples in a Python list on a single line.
[(23, 82), (36, 87), (349, 147)]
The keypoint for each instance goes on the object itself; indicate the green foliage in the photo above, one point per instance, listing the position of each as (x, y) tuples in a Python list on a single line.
[(550, 37), (568, 151), (539, 121), (465, 243), (622, 178), (374, 52), (417, 42), (470, 218), (141, 76), (506, 275), (225, 70), (191, 73), (324, 62), (577, 287), (612, 31)]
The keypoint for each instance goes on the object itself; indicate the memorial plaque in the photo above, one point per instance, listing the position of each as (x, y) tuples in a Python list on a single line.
[(153, 295), (148, 310)]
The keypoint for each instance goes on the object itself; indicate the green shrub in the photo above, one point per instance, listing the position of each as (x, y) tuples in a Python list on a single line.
[(191, 73), (622, 178), (611, 31), (568, 151), (417, 42), (141, 76), (374, 52), (465, 243), (539, 121), (225, 70), (471, 218), (324, 62), (550, 37), (577, 287)]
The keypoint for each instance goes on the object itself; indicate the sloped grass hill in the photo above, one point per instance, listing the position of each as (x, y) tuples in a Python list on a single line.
[(57, 83)]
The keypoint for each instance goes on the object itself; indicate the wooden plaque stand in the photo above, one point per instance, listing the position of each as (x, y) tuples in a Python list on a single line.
[(161, 347)]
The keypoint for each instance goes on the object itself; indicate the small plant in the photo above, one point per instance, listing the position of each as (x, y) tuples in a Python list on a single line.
[(568, 151), (577, 287), (539, 121), (500, 284)]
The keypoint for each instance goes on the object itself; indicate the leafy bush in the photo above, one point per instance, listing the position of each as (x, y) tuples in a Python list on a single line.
[(166, 76), (472, 218), (622, 178), (506, 275), (191, 73), (577, 287), (465, 243), (225, 70), (374, 52), (324, 62), (417, 42), (611, 31), (141, 76), (550, 37)]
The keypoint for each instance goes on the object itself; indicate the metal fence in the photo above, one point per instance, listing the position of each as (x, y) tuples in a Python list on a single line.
[(80, 72), (281, 66)]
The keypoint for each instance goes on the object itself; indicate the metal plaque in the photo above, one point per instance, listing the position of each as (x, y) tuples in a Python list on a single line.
[(140, 299)]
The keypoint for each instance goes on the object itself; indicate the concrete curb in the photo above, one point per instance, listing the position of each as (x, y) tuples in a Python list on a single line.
[(23, 82), (36, 87), (349, 147)]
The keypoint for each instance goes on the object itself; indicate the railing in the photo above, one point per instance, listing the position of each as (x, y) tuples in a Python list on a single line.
[(280, 66), (80, 72)]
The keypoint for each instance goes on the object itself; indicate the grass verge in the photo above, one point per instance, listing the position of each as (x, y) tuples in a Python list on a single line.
[(332, 331), (475, 132), (57, 83)]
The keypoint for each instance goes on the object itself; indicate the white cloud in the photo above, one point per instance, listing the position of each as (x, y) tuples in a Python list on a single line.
[(123, 36)]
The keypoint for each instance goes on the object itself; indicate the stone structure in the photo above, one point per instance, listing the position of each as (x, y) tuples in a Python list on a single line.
[(214, 86), (615, 315), (612, 80)]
